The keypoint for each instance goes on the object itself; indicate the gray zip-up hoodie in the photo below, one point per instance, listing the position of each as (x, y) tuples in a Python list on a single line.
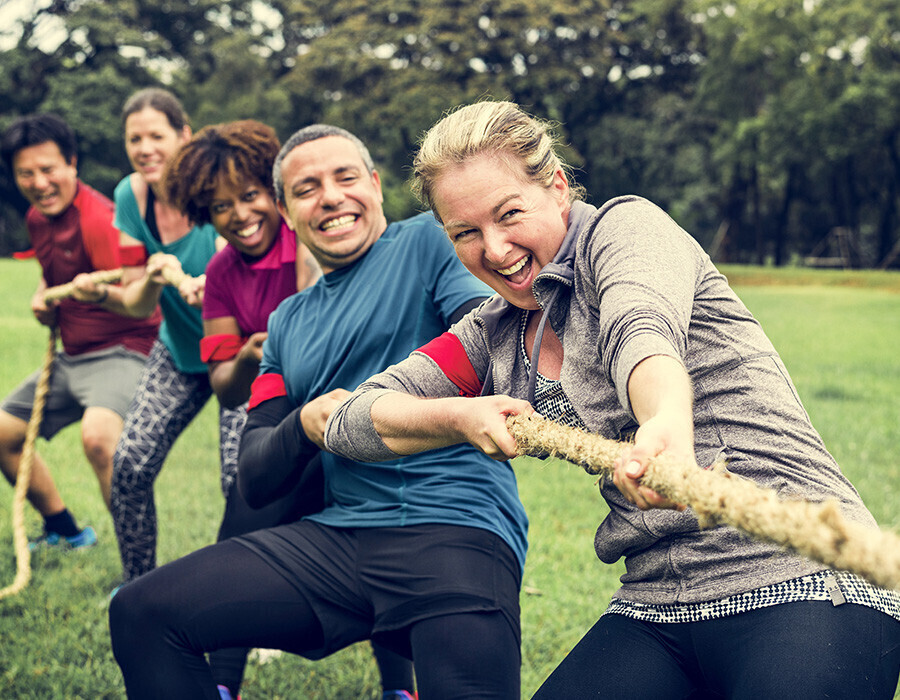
[(626, 284)]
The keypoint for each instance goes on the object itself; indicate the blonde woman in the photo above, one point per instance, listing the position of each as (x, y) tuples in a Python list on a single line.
[(613, 319)]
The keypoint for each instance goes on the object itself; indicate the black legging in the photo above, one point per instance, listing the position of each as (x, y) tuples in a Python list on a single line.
[(801, 651), (228, 665), (162, 624)]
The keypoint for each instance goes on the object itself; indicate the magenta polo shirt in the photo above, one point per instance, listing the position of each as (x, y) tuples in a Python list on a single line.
[(249, 290)]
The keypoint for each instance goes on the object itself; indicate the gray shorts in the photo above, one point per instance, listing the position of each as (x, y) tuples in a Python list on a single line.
[(106, 378)]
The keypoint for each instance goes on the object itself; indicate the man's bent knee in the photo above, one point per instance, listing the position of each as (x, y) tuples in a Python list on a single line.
[(100, 431), (12, 433)]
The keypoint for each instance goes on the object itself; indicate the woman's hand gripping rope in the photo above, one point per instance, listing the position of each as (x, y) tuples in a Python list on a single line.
[(818, 531), (164, 268)]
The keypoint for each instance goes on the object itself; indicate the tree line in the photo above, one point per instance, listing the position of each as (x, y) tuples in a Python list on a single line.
[(768, 130)]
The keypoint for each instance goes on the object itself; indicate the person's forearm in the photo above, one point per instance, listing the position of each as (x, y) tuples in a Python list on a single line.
[(273, 452), (139, 298), (232, 380), (413, 407), (112, 299), (37, 299), (661, 398), (660, 385), (408, 424)]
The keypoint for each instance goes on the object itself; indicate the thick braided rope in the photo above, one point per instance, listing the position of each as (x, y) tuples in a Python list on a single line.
[(173, 276), (818, 531), (23, 479), (66, 290)]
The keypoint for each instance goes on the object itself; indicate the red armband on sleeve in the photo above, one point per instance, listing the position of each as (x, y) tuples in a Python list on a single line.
[(133, 255), (220, 347), (265, 387), (448, 352)]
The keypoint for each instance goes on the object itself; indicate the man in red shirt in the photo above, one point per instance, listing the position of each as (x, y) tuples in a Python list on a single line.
[(93, 378)]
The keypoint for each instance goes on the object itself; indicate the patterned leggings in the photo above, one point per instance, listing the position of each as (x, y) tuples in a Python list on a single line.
[(165, 402)]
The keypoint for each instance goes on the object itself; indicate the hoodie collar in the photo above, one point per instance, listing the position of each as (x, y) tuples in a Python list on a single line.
[(563, 263), (562, 267)]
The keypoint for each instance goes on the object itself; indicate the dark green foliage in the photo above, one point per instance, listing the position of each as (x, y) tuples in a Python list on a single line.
[(760, 126)]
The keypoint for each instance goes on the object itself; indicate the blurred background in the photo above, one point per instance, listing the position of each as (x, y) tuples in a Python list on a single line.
[(769, 130)]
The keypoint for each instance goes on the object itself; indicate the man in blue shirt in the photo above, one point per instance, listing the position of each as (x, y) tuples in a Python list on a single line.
[(424, 553)]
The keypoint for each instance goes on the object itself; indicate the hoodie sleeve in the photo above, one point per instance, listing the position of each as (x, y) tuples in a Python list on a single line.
[(645, 270), (350, 432)]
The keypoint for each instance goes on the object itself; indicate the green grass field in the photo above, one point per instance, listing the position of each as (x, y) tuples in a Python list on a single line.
[(838, 333)]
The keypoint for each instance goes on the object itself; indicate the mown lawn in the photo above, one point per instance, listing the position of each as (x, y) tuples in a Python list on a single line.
[(838, 334)]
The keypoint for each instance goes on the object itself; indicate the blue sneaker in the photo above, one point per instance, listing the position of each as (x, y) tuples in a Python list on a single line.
[(399, 695), (225, 694), (86, 538)]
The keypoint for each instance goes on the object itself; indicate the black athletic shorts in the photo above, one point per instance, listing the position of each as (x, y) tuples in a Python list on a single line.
[(377, 582)]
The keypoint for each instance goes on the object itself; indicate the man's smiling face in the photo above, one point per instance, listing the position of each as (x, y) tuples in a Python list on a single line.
[(331, 201), (45, 178)]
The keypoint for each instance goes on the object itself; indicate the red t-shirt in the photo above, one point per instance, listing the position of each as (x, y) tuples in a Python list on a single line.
[(83, 239)]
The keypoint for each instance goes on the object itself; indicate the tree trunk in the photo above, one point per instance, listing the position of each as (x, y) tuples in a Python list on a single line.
[(781, 224)]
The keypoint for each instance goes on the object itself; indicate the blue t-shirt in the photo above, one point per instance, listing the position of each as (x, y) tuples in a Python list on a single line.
[(182, 326), (355, 322)]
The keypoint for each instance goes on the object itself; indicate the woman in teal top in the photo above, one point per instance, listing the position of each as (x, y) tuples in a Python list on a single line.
[(175, 383), (182, 326)]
